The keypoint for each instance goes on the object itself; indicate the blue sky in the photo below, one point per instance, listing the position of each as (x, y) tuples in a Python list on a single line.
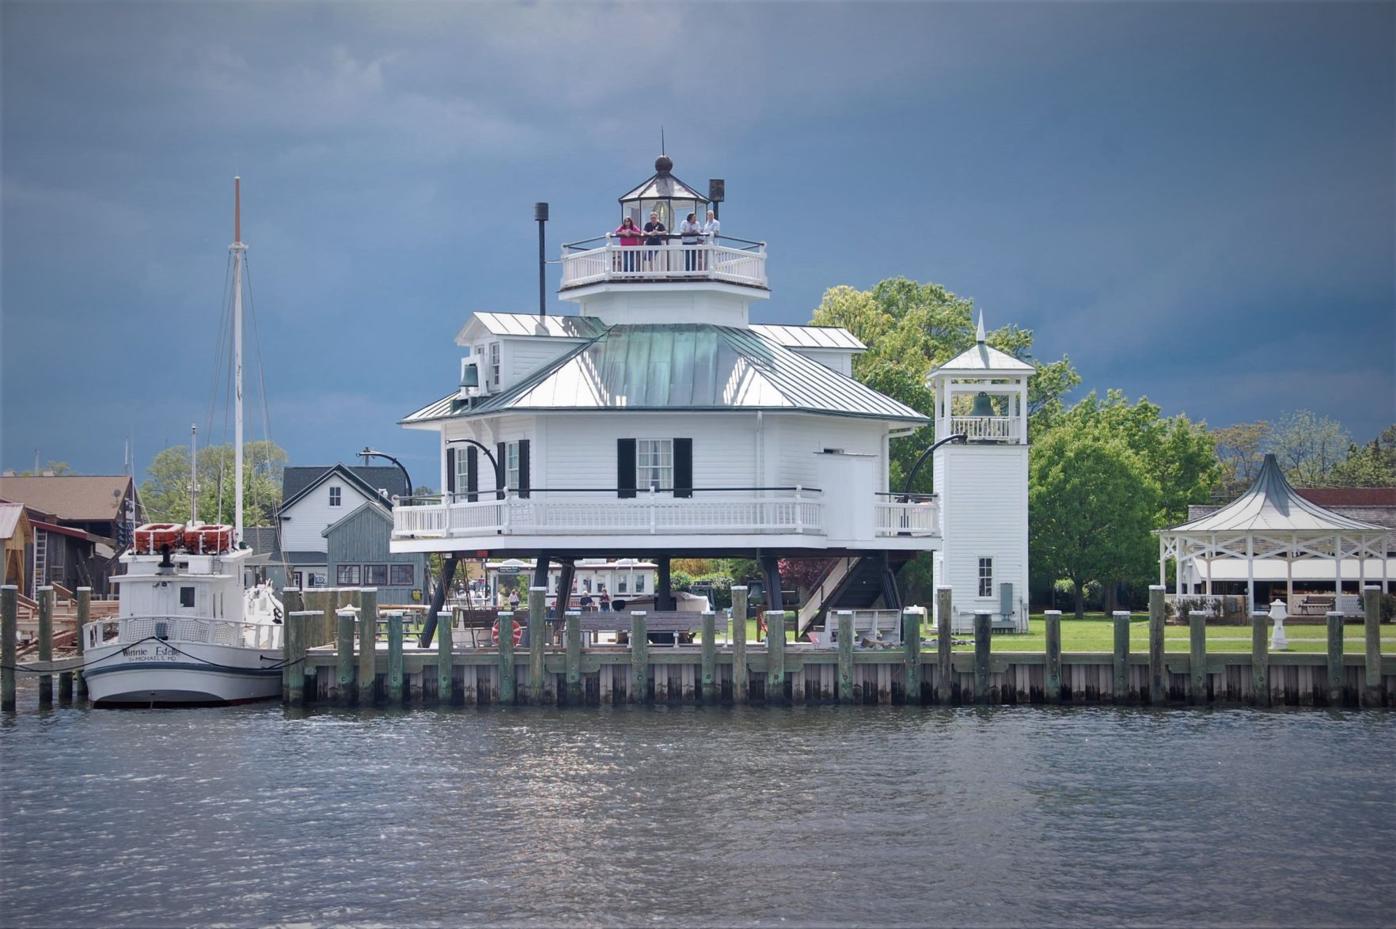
[(1194, 201)]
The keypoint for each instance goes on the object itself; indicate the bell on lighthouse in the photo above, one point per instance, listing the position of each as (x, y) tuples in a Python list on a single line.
[(983, 406)]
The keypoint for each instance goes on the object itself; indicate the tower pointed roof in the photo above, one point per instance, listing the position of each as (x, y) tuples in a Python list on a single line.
[(982, 357), (663, 185), (1272, 504)]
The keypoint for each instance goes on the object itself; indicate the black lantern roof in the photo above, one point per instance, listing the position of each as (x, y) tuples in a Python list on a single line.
[(663, 186)]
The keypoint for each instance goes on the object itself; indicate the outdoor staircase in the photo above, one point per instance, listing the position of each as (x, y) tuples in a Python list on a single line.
[(850, 584)]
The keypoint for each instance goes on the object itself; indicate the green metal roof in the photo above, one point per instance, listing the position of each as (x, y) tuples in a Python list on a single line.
[(689, 367)]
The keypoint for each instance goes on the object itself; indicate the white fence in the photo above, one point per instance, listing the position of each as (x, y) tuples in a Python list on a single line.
[(130, 629), (914, 518), (706, 262), (1000, 428)]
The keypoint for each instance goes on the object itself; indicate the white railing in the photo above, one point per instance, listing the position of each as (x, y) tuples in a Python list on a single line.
[(648, 513), (201, 631), (676, 262), (997, 428), (913, 518)]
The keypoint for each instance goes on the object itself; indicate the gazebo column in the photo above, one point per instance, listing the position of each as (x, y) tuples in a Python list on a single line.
[(1250, 574), (1337, 569), (1289, 570), (1161, 558)]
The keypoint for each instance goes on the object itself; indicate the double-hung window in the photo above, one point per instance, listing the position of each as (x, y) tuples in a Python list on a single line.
[(335, 496), (494, 365), (511, 465), (654, 464), (986, 577)]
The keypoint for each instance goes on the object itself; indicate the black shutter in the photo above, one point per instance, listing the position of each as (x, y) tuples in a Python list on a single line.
[(683, 467), (450, 470), (502, 476), (472, 473), (523, 468), (625, 467)]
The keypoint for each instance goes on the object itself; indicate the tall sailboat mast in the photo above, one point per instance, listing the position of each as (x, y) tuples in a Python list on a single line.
[(238, 251)]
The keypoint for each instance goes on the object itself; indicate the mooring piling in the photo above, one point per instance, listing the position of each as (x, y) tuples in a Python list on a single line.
[(573, 667), (344, 652), (845, 643), (1335, 658), (709, 658), (368, 645), (294, 637), (1371, 628), (1120, 659), (45, 643), (508, 673), (775, 656), (1052, 666), (740, 676), (1158, 673), (84, 616), (911, 661), (945, 664), (1197, 658), (9, 642), (537, 642), (445, 677), (1260, 659), (394, 678), (638, 691), (983, 632)]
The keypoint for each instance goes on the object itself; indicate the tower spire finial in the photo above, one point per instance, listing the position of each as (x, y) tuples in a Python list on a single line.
[(662, 150), (979, 331)]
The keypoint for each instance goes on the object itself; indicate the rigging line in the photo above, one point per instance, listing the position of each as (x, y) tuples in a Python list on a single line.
[(219, 355), (266, 413)]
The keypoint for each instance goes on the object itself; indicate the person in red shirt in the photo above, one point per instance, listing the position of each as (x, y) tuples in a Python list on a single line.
[(629, 235)]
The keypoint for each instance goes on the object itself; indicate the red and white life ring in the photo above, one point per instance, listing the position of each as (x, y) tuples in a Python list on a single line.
[(518, 631)]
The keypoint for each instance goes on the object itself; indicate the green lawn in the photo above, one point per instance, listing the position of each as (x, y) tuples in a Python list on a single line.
[(1096, 633)]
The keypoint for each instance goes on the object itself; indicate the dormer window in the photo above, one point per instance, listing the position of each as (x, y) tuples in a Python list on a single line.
[(494, 365), (335, 498)]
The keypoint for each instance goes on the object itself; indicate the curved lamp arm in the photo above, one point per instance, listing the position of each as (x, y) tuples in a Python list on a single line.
[(911, 475), (498, 467), (372, 453)]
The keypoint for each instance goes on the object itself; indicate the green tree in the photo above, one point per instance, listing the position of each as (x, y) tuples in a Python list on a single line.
[(1369, 465), (165, 492), (1309, 447), (54, 468), (1092, 505), (1240, 451)]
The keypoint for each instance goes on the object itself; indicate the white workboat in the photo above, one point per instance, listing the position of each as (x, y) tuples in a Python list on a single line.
[(191, 629), (188, 631)]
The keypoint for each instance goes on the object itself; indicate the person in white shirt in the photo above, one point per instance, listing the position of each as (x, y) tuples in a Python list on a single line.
[(712, 228), (692, 234)]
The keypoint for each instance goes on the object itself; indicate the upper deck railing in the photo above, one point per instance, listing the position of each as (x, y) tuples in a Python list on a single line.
[(604, 259)]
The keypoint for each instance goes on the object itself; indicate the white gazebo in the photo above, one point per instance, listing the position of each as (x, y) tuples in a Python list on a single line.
[(1270, 522)]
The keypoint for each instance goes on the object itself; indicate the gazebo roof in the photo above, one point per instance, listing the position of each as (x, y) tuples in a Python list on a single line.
[(981, 358), (1272, 505)]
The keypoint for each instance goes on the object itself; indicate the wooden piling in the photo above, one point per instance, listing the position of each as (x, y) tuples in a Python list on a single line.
[(739, 666), (84, 616), (368, 645), (1197, 659), (775, 656), (537, 642), (1335, 658), (1371, 628), (1120, 659), (394, 682), (845, 625), (45, 643), (573, 674), (508, 673), (911, 654), (294, 635), (983, 632), (708, 693), (445, 653), (291, 604), (945, 667), (1158, 674), (638, 691), (344, 655), (9, 641), (1260, 659), (1052, 670)]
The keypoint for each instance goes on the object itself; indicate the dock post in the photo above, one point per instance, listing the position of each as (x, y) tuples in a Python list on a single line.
[(508, 686), (775, 656), (1158, 676), (740, 679), (1121, 657), (294, 635), (84, 616), (945, 666), (368, 645), (1335, 658), (574, 658), (537, 642), (1197, 658), (708, 693), (394, 681), (983, 631), (1260, 659), (445, 675), (845, 626), (1052, 670), (638, 691), (911, 646), (9, 639), (1371, 626), (291, 604), (344, 654), (45, 643)]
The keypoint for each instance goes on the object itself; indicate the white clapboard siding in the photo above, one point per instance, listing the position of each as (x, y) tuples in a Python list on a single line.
[(984, 512), (312, 514), (792, 441), (581, 448)]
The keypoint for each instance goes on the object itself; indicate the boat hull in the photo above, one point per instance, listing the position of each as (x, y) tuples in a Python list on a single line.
[(155, 673)]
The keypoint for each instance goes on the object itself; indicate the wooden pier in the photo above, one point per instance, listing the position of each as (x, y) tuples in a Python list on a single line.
[(335, 654)]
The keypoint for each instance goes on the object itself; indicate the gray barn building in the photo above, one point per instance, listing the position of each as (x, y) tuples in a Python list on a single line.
[(358, 556)]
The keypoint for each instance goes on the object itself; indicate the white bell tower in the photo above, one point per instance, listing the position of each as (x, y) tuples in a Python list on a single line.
[(982, 484)]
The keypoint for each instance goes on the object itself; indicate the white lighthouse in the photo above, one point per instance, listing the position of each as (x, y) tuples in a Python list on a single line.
[(982, 484)]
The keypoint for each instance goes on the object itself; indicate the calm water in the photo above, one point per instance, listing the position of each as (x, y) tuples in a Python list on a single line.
[(649, 816)]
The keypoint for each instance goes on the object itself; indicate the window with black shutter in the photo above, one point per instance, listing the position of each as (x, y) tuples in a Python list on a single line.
[(523, 486), (472, 474), (501, 452), (625, 467), (450, 470)]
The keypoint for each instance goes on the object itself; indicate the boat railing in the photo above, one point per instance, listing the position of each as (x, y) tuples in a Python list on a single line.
[(195, 630)]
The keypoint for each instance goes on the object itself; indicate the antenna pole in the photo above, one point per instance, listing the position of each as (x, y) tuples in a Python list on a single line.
[(540, 213), (238, 251), (194, 473)]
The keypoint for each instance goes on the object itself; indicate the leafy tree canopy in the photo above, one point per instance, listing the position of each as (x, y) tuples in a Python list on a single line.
[(165, 493)]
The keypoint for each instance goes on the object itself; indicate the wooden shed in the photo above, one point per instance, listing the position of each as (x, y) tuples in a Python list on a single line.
[(16, 533)]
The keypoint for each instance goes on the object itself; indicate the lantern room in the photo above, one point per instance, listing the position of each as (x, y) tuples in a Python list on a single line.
[(664, 194)]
